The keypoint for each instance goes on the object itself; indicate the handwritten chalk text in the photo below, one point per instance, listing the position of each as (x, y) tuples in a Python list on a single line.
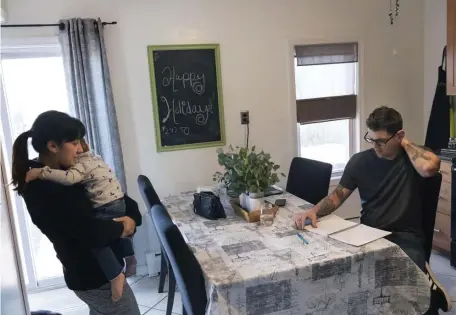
[(195, 81), (177, 108)]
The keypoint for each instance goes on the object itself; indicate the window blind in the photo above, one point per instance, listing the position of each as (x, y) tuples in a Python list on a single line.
[(322, 54), (326, 109)]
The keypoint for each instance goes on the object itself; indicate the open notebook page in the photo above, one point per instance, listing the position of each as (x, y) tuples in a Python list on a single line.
[(330, 224), (359, 235)]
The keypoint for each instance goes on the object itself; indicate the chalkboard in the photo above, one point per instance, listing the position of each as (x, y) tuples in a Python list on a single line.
[(186, 96)]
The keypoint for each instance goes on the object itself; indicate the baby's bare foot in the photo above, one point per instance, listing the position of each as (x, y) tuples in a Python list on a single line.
[(117, 285), (131, 266)]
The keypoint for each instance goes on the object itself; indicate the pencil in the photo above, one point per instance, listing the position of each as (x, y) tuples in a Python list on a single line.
[(302, 239)]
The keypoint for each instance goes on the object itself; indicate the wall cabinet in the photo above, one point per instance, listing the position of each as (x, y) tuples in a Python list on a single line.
[(442, 228)]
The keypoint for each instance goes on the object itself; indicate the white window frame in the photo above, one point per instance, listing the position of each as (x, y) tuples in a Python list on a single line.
[(355, 125), (19, 48), (13, 48)]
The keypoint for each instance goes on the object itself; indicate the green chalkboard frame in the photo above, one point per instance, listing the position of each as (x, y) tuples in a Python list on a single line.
[(153, 85)]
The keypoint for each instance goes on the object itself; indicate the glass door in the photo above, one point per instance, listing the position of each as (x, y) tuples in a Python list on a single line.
[(32, 82)]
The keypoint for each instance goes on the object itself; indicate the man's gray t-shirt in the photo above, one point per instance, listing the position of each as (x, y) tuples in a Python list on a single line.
[(389, 189)]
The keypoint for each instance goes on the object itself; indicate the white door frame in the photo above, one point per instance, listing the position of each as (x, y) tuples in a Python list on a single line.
[(10, 214), (16, 200), (47, 47)]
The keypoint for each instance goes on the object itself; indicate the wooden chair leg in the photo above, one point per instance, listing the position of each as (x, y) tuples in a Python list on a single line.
[(163, 271), (171, 291)]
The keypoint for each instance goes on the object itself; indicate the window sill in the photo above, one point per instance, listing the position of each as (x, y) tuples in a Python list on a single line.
[(335, 180)]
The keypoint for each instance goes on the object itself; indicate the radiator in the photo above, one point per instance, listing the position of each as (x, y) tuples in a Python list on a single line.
[(153, 255)]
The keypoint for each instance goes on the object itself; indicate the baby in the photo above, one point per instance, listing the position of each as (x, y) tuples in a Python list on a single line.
[(107, 197)]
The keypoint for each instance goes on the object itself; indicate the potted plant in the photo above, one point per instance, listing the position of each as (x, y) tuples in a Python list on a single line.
[(247, 171)]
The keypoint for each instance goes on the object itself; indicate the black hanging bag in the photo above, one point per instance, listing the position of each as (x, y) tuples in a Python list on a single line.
[(438, 130)]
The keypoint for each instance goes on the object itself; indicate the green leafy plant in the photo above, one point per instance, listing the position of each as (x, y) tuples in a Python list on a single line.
[(246, 170)]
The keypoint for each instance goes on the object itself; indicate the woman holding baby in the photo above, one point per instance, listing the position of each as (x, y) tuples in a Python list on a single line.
[(61, 190)]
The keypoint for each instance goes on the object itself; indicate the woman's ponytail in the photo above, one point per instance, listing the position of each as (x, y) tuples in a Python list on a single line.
[(20, 161)]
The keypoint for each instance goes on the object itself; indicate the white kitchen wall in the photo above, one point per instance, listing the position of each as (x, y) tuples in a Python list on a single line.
[(435, 19), (256, 39)]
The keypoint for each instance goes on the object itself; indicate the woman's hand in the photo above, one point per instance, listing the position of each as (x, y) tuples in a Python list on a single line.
[(33, 174), (129, 225)]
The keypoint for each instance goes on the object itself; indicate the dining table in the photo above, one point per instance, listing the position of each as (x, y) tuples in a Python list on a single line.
[(256, 270)]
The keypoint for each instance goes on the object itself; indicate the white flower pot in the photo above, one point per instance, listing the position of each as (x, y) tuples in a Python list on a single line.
[(243, 201), (255, 201)]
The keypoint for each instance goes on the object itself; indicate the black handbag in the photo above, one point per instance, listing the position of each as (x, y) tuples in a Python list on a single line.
[(208, 205)]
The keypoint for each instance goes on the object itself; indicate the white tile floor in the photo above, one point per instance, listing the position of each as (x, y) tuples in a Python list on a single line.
[(446, 275), (153, 303), (66, 302)]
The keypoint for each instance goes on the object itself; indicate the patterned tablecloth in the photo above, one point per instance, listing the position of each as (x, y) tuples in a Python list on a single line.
[(258, 270)]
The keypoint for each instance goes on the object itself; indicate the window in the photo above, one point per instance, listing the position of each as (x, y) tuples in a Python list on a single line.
[(33, 85), (327, 142), (33, 81), (326, 78)]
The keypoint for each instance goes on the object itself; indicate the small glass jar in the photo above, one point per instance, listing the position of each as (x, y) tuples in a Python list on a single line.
[(267, 215)]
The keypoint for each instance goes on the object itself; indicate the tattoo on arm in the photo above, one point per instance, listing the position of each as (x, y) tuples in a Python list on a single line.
[(330, 203), (425, 148), (425, 162), (327, 206), (415, 152), (341, 193)]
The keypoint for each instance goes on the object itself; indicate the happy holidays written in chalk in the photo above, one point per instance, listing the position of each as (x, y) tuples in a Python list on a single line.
[(175, 107)]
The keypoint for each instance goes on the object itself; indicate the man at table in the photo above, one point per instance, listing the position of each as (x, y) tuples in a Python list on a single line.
[(388, 178)]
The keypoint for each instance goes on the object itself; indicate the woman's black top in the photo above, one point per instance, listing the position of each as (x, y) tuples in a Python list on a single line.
[(65, 215)]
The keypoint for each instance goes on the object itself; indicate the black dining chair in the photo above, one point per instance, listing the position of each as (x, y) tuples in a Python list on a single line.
[(309, 179), (151, 199), (431, 190), (185, 269), (148, 192)]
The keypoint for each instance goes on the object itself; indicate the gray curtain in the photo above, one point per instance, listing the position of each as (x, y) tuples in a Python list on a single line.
[(89, 88)]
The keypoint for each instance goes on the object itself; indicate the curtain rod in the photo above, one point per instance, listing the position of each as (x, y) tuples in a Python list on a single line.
[(60, 25)]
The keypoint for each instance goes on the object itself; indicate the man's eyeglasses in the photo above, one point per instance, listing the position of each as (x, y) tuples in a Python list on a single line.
[(381, 142)]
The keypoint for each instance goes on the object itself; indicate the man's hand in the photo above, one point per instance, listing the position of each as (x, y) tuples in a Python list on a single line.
[(325, 207), (405, 142), (33, 174), (299, 219), (129, 225)]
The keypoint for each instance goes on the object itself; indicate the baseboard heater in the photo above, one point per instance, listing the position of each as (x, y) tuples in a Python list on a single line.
[(153, 257), (153, 261)]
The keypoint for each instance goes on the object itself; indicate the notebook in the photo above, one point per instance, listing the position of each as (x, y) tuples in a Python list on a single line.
[(346, 231)]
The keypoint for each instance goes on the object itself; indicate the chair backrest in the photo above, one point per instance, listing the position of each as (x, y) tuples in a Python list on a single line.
[(148, 192), (186, 269), (431, 190), (309, 179)]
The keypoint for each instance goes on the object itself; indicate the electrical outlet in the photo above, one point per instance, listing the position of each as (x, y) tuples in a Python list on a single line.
[(245, 118)]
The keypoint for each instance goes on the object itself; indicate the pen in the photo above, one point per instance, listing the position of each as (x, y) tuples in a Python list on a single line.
[(302, 239)]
